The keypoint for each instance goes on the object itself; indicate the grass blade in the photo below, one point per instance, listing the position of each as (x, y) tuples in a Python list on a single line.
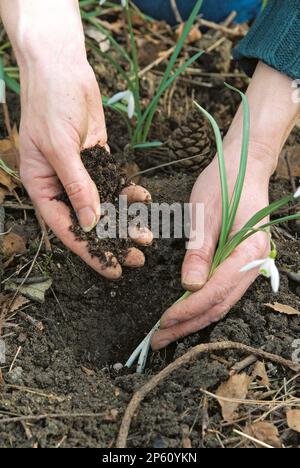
[(148, 144), (223, 176), (149, 113), (188, 25), (259, 216), (237, 192)]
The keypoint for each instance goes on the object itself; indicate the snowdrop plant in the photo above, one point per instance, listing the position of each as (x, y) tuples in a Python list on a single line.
[(139, 127), (267, 267), (227, 244)]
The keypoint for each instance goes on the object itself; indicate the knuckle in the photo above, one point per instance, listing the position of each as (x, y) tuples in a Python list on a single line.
[(74, 189), (221, 294), (204, 255)]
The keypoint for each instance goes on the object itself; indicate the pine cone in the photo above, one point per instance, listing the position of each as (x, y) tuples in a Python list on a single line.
[(191, 139)]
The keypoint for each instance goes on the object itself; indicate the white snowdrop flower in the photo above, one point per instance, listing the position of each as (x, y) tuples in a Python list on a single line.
[(123, 3), (297, 193), (124, 96), (267, 268), (2, 92)]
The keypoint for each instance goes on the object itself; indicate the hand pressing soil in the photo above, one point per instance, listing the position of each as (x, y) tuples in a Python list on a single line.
[(110, 181)]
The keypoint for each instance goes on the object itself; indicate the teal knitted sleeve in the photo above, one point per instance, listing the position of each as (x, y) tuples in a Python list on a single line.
[(274, 39)]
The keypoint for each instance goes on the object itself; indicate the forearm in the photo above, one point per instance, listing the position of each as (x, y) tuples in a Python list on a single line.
[(43, 31), (273, 114)]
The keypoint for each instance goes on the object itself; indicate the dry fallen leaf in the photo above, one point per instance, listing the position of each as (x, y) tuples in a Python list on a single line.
[(12, 244), (260, 372), (293, 420), (18, 302), (235, 388), (186, 441), (193, 36), (6, 180), (292, 155), (88, 372), (264, 432), (3, 194), (283, 308), (99, 37), (111, 415), (6, 300), (33, 291), (9, 150)]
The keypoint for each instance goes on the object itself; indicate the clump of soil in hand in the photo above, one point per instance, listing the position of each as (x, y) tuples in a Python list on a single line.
[(110, 180)]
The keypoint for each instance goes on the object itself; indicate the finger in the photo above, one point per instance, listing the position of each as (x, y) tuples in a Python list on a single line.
[(135, 193), (80, 188), (222, 284), (134, 259), (200, 251), (56, 214), (165, 336), (140, 235), (196, 267)]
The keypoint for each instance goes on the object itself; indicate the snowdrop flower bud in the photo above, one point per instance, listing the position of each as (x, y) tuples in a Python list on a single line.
[(297, 193), (124, 96), (267, 268)]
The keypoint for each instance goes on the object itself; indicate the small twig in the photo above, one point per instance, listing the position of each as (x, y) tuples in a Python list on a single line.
[(164, 55), (43, 229), (39, 417), (239, 366), (35, 280), (176, 12), (237, 32), (36, 323), (28, 272), (160, 166), (256, 441), (14, 359), (14, 206), (187, 357), (215, 45)]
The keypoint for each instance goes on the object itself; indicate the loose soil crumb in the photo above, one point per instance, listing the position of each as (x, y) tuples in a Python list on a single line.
[(110, 180)]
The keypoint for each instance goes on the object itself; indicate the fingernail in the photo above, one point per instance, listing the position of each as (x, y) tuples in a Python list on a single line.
[(87, 218), (161, 344), (193, 279), (98, 211)]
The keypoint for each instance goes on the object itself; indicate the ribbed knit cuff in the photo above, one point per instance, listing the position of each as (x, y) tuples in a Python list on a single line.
[(274, 39)]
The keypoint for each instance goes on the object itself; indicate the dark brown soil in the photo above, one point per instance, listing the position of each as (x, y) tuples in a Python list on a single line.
[(91, 323), (110, 180)]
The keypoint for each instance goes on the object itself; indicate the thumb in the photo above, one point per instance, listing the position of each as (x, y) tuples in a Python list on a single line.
[(80, 188), (196, 267)]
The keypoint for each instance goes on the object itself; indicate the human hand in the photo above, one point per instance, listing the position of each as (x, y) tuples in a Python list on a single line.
[(213, 298), (271, 120), (61, 114)]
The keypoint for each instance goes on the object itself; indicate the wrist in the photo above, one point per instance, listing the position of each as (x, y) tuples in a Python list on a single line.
[(273, 115), (44, 33)]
